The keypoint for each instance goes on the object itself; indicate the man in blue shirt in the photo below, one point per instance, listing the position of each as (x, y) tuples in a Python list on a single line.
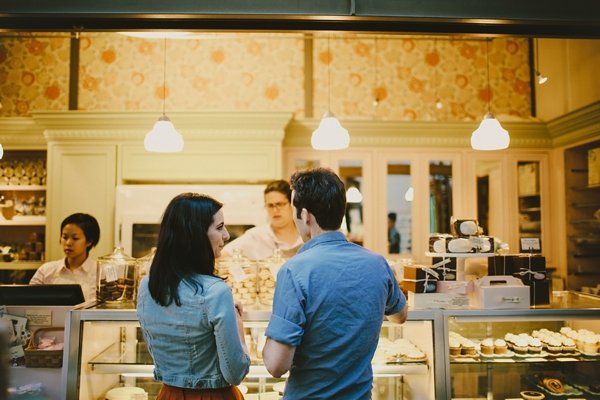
[(330, 300)]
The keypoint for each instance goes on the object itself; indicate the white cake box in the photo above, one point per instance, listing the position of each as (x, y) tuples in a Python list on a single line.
[(500, 292), (448, 301)]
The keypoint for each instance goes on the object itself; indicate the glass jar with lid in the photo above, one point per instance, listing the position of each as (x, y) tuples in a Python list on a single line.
[(267, 276), (116, 278), (143, 266), (239, 273)]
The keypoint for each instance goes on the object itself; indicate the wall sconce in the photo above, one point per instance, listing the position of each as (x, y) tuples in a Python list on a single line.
[(164, 138), (541, 79)]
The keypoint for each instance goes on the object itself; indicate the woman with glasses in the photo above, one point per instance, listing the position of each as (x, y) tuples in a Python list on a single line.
[(280, 233)]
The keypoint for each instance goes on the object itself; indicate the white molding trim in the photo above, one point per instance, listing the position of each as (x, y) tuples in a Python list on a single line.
[(576, 126), (18, 133), (126, 126), (418, 134)]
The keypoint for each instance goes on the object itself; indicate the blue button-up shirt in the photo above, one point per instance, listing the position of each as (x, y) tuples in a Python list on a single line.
[(329, 303), (195, 345)]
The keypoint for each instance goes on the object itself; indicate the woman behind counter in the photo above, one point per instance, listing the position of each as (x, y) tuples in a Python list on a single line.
[(79, 233), (193, 330), (280, 233)]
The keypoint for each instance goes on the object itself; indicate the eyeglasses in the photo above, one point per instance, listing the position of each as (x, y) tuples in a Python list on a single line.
[(276, 206)]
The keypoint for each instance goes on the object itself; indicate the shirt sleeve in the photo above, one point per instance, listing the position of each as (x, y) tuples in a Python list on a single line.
[(396, 299), (288, 318), (234, 362), (39, 278)]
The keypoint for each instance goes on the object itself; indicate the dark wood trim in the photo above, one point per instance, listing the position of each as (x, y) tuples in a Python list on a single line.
[(74, 73)]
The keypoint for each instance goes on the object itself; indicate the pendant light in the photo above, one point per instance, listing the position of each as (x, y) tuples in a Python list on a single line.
[(541, 79), (489, 135), (164, 138), (330, 135), (1, 151), (353, 195)]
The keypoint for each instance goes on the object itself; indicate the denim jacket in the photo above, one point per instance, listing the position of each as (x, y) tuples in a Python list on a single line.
[(195, 345)]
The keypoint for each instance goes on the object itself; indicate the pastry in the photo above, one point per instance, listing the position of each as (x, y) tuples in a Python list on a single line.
[(568, 345), (590, 345), (532, 395), (468, 348), (500, 346), (554, 345), (535, 346), (553, 385), (520, 345), (487, 346), (455, 349)]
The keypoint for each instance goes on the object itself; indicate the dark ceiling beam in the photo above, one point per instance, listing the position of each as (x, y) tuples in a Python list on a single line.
[(548, 18)]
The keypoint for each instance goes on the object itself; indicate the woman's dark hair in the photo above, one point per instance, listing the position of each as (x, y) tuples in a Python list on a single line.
[(281, 186), (183, 249), (323, 194), (87, 224)]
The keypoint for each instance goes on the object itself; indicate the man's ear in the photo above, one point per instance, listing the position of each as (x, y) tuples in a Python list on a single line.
[(304, 215)]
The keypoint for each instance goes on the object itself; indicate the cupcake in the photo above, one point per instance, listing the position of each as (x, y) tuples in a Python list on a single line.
[(487, 346), (590, 345), (520, 345), (468, 348), (568, 345), (500, 346), (554, 346), (455, 348), (535, 346)]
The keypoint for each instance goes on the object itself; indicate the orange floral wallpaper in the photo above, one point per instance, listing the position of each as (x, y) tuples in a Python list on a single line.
[(34, 74), (355, 76)]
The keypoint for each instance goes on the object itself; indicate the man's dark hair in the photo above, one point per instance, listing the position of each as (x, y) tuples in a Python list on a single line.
[(322, 193), (281, 186), (392, 216)]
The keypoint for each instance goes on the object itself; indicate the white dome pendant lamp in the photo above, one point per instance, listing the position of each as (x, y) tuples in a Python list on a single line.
[(164, 138), (489, 135), (330, 135)]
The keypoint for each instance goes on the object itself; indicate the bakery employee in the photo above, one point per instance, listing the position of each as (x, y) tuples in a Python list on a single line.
[(79, 233), (280, 233)]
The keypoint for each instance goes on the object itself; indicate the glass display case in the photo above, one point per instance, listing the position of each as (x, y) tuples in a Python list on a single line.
[(106, 350), (501, 353)]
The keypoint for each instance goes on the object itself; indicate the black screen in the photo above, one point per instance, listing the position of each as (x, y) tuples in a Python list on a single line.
[(41, 295)]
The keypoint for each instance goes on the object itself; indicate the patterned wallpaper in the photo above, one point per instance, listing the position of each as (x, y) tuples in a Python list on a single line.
[(266, 72)]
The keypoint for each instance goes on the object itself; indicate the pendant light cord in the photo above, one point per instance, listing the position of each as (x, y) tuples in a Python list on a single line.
[(164, 74), (330, 58), (487, 56)]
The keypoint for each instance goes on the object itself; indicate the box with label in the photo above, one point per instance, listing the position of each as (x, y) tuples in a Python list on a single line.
[(530, 267), (419, 279), (539, 292), (594, 167), (449, 301), (454, 287), (500, 292), (445, 266)]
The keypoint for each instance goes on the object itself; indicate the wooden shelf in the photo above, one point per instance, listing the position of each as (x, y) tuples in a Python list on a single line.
[(20, 265), (21, 188), (24, 220)]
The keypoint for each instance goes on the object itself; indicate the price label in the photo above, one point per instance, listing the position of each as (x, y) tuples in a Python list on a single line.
[(110, 273), (528, 244)]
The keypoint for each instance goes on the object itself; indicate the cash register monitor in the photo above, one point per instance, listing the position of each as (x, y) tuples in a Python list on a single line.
[(41, 295)]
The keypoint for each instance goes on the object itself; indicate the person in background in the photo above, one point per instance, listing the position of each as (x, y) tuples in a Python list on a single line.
[(190, 323), (79, 233), (330, 300), (393, 235), (259, 242)]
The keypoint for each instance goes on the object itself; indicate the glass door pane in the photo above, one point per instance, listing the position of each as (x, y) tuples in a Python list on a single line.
[(351, 173), (440, 196), (400, 197)]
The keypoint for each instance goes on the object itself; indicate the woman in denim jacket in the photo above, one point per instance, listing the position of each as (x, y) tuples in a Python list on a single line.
[(190, 323)]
